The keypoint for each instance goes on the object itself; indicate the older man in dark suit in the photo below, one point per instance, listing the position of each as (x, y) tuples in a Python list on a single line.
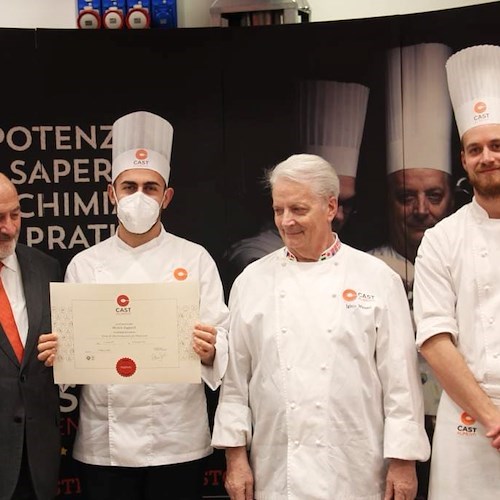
[(29, 399)]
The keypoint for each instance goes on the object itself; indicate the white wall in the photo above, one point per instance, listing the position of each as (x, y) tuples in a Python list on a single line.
[(38, 13), (330, 10), (196, 13)]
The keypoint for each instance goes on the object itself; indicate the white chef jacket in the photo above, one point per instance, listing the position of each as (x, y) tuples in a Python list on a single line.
[(153, 424), (457, 290), (322, 382), (405, 269), (397, 263)]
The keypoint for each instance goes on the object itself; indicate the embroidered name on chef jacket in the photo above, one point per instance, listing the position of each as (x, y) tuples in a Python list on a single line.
[(354, 299)]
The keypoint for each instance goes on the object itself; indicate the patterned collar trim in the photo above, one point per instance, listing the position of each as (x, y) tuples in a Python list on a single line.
[(327, 254)]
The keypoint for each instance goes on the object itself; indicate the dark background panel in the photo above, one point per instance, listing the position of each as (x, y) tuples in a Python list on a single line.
[(261, 101), (232, 97), (90, 79)]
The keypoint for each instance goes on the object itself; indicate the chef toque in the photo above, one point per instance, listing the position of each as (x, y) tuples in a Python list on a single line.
[(474, 85), (418, 108), (142, 140), (332, 119)]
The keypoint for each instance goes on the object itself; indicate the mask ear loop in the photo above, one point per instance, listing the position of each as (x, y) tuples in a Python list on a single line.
[(114, 193)]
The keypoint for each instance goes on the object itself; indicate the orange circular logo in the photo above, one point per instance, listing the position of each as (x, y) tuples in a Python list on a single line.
[(467, 419), (141, 154), (480, 107), (180, 274), (122, 300), (349, 295)]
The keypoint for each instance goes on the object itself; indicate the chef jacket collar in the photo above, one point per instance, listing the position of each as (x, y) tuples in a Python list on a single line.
[(326, 254)]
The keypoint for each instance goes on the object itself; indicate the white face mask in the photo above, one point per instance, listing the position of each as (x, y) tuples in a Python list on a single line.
[(138, 212)]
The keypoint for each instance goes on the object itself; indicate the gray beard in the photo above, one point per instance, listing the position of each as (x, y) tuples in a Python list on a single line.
[(7, 249)]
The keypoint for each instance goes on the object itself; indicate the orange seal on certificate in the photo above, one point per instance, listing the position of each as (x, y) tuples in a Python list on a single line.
[(126, 367)]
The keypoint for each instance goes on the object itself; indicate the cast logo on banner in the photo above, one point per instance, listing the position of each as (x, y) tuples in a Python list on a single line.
[(61, 173), (466, 426)]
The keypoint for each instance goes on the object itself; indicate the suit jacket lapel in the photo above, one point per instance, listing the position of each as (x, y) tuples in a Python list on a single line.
[(6, 347)]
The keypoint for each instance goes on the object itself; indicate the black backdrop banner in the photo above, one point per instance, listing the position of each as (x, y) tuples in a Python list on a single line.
[(231, 96)]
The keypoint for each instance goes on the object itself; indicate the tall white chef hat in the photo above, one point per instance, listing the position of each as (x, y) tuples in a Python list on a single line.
[(332, 120), (474, 85), (142, 140), (418, 108)]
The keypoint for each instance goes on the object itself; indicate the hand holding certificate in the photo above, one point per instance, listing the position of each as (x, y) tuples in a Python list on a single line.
[(125, 333)]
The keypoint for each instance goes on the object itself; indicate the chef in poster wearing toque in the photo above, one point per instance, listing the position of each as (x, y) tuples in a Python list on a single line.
[(332, 118), (141, 441), (419, 192), (332, 121), (418, 131), (457, 294)]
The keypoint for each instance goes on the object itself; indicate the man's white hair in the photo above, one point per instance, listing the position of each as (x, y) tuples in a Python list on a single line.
[(308, 169)]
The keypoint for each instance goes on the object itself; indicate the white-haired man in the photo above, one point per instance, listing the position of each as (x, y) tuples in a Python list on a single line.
[(322, 385)]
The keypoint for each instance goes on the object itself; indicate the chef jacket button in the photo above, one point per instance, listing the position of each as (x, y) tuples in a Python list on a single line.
[(486, 288), (334, 295), (282, 294), (323, 366), (495, 355), (283, 263), (318, 442), (335, 263), (484, 253), (288, 367), (292, 406), (296, 443), (329, 330), (318, 404), (283, 330), (491, 320)]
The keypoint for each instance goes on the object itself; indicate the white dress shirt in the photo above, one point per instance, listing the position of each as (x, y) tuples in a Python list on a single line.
[(13, 285)]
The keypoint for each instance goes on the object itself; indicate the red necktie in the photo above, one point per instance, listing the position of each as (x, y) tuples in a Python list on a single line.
[(9, 323)]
